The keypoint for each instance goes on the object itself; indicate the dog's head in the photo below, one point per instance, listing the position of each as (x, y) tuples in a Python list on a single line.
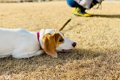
[(52, 41)]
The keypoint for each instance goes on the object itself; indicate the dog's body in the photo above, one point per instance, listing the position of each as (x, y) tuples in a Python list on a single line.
[(18, 43), (23, 44)]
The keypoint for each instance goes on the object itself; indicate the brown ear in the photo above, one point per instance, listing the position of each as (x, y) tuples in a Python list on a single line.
[(49, 45), (58, 39), (56, 36)]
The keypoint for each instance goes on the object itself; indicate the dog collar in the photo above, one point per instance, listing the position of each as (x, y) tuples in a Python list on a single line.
[(38, 38)]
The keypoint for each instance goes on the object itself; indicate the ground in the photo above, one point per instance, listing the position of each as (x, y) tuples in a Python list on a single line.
[(96, 57)]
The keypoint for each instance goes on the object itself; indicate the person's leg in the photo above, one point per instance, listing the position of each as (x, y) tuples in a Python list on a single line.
[(74, 4), (71, 3), (78, 9)]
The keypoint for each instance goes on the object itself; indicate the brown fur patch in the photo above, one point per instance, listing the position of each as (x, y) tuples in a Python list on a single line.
[(51, 42)]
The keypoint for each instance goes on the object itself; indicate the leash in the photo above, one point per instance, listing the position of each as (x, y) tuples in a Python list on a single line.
[(65, 24)]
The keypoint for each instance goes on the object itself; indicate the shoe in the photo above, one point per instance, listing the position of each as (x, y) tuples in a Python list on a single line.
[(77, 12), (94, 2)]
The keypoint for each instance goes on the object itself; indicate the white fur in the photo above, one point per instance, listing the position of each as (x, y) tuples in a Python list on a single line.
[(23, 44)]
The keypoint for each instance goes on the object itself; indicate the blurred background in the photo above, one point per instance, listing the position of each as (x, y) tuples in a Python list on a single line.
[(17, 1)]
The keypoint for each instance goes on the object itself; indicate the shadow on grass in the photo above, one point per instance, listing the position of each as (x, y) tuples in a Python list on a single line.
[(16, 66), (79, 54), (107, 16)]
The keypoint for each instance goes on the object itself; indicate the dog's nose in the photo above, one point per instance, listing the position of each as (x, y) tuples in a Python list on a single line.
[(74, 44)]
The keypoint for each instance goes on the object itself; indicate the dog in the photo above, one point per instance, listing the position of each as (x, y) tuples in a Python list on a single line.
[(20, 43)]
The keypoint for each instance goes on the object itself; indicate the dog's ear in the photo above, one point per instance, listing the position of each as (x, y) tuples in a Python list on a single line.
[(49, 44), (58, 39)]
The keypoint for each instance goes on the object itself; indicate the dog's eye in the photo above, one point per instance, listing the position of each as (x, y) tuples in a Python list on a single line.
[(61, 40)]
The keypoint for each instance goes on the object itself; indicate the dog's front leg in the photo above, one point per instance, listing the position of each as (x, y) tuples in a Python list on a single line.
[(39, 52)]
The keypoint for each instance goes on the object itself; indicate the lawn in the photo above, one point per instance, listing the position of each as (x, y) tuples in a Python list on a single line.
[(96, 57)]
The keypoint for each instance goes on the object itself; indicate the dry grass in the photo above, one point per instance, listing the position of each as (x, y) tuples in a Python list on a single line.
[(96, 57)]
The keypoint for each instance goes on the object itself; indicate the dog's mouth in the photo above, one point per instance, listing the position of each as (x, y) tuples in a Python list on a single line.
[(65, 50)]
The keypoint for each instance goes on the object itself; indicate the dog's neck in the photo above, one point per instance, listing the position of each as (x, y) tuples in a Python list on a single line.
[(39, 40), (39, 35)]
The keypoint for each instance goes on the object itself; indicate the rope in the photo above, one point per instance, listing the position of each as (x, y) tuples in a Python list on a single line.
[(65, 24)]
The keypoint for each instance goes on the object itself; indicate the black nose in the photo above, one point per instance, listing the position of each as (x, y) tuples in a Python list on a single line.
[(74, 44)]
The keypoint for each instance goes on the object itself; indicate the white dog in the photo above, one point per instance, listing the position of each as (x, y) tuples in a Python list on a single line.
[(23, 44)]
